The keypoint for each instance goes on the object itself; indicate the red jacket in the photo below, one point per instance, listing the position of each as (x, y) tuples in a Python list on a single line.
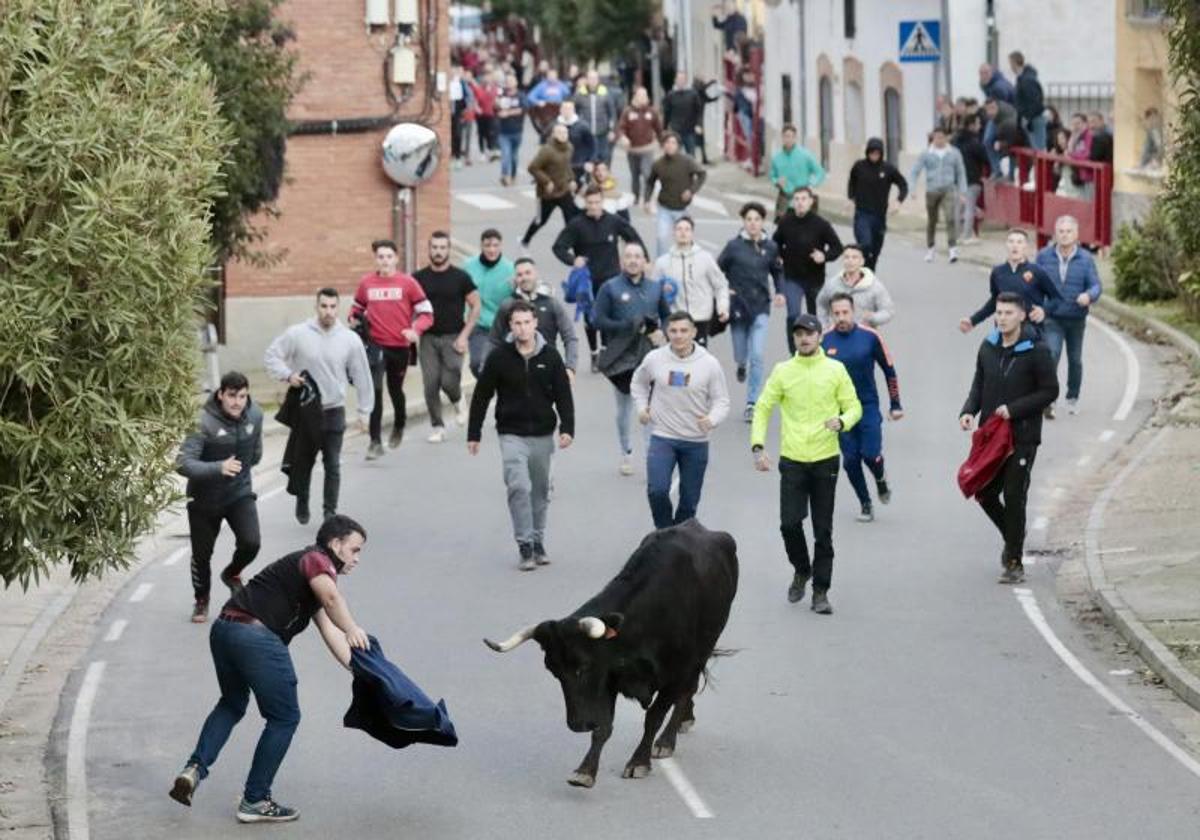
[(991, 445), (392, 305)]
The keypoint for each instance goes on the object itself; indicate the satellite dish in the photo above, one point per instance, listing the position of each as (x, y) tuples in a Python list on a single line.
[(410, 154)]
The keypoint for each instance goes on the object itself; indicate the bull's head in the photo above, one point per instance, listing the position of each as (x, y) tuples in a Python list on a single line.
[(579, 654)]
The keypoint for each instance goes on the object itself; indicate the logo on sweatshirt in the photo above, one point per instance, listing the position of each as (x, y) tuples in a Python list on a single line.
[(625, 297), (1027, 276), (385, 293), (678, 379), (832, 351)]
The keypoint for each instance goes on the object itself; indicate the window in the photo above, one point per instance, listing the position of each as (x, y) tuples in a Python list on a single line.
[(848, 17), (785, 96), (1147, 9)]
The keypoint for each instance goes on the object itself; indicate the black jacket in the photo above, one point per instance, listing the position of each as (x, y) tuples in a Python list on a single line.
[(528, 392), (871, 183), (217, 437), (751, 268), (597, 241), (682, 109), (1029, 101), (1021, 377), (1102, 146), (974, 155), (797, 237), (301, 412)]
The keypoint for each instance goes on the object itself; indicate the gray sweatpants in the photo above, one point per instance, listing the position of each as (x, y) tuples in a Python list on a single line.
[(441, 373), (945, 203), (527, 477)]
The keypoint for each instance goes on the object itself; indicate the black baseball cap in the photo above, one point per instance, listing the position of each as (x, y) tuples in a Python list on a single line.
[(806, 323)]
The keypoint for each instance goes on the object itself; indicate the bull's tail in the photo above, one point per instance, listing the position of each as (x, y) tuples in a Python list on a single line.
[(705, 674)]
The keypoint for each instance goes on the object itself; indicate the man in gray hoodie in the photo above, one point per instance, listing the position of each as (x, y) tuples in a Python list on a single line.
[(697, 285), (872, 304), (945, 189), (680, 390)]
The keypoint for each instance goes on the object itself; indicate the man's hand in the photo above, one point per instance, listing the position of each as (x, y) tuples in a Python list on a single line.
[(231, 466), (1002, 411), (362, 426), (685, 196), (896, 414), (296, 380), (817, 256), (473, 447), (705, 423), (723, 317), (410, 335), (357, 638), (780, 301), (563, 441), (571, 377), (623, 142), (966, 422), (580, 262), (965, 325), (1037, 314), (460, 345), (644, 416), (657, 338), (834, 424), (1084, 299), (762, 461)]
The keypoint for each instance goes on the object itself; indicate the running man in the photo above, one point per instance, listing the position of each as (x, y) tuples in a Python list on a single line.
[(860, 349), (1018, 275), (554, 321), (492, 274), (551, 169)]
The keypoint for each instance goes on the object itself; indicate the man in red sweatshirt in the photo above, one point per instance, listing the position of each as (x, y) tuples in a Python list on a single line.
[(397, 312)]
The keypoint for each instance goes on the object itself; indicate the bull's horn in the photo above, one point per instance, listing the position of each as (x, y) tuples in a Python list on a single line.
[(593, 627), (518, 638)]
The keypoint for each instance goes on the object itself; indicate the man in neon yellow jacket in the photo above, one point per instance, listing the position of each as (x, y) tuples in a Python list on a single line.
[(816, 401)]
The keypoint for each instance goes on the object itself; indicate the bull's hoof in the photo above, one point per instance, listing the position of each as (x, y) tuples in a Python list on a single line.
[(583, 780), (687, 725), (663, 751), (636, 771)]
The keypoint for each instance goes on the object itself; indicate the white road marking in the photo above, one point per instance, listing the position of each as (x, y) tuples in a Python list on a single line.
[(115, 630), (1083, 461), (1027, 560), (272, 493), (1058, 492), (1125, 549), (140, 593), (77, 793), (531, 194), (1121, 672), (743, 198), (1107, 435), (1033, 612), (710, 204), (683, 787), (1040, 523), (1133, 373), (483, 201), (175, 556)]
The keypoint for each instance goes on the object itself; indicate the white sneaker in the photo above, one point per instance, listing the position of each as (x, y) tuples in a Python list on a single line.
[(1072, 406), (460, 414), (930, 254), (953, 255), (438, 435), (626, 467)]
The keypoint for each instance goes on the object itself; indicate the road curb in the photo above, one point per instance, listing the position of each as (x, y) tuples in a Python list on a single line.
[(1139, 637), (1124, 315)]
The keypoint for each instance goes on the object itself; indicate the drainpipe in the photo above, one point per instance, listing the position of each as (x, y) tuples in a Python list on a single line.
[(803, 74), (946, 48)]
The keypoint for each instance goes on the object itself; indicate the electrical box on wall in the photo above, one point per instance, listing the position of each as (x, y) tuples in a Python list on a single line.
[(405, 12), (404, 66), (377, 12)]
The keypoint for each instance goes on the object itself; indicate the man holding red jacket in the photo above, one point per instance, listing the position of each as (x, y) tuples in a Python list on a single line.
[(397, 312)]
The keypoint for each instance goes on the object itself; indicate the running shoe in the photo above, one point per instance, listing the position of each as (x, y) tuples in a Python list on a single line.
[(748, 413), (200, 611), (1014, 572), (796, 589), (953, 255), (1048, 412), (395, 437), (185, 785), (527, 563), (539, 554), (867, 514), (460, 414), (820, 603), (438, 435), (1072, 406), (741, 373), (626, 467), (302, 514), (930, 254), (375, 450), (885, 492), (233, 581), (267, 810), (595, 361)]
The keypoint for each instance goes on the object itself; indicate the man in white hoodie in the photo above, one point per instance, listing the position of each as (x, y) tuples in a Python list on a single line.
[(680, 389), (698, 286), (872, 304)]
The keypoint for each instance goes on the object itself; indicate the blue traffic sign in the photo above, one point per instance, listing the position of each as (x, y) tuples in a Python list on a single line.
[(920, 40)]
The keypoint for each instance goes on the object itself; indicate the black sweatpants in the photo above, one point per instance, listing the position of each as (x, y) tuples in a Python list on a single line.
[(805, 486), (204, 524), (333, 433), (393, 367), (1012, 482), (565, 203)]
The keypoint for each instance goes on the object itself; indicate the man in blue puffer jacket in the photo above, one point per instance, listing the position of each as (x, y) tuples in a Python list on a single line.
[(1073, 270)]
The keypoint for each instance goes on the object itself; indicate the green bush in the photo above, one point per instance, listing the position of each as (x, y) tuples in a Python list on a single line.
[(1147, 259), (110, 149)]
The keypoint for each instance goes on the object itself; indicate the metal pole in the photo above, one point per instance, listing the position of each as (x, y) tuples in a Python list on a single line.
[(403, 230), (803, 76), (946, 48)]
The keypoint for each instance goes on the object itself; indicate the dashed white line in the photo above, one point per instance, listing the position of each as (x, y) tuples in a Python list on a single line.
[(710, 205), (1132, 371), (77, 792), (115, 630), (1034, 613), (683, 787), (272, 493), (1040, 523), (175, 556), (140, 593), (483, 201), (1107, 435)]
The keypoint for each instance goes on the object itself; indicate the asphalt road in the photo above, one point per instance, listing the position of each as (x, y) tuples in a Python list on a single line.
[(927, 706)]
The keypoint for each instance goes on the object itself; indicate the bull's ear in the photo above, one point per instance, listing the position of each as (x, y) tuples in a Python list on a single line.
[(612, 621)]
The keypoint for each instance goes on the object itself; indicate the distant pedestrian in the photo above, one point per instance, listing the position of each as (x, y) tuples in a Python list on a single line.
[(529, 380), (551, 169), (792, 167), (492, 274), (638, 133), (1001, 135), (709, 91), (554, 321), (681, 178), (975, 163), (597, 108), (486, 91), (945, 190), (817, 403), (549, 89), (456, 306), (1014, 379), (1029, 102), (873, 304), (700, 289), (1017, 274), (583, 142), (396, 312), (334, 357), (680, 391), (750, 262), (1102, 139), (629, 312), (860, 348), (681, 109), (510, 113), (216, 459), (1073, 271), (249, 644), (807, 242), (730, 22), (994, 85), (870, 188)]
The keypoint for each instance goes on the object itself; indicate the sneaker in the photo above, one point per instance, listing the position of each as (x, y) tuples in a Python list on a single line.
[(741, 373), (867, 514), (327, 514), (1072, 406), (626, 467), (302, 515), (266, 811), (1014, 572), (185, 785), (953, 255), (1048, 412), (796, 589), (930, 254), (527, 563), (595, 361), (748, 413), (820, 603), (438, 435), (460, 414), (234, 582), (885, 492), (200, 611), (395, 437), (375, 450), (539, 554)]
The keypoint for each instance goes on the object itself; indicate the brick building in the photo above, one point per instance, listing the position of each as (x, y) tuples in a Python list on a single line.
[(336, 197)]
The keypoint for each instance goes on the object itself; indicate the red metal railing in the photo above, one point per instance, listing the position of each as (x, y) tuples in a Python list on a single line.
[(1031, 201)]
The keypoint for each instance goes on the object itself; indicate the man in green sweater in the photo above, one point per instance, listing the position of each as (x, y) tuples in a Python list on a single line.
[(792, 167), (681, 178), (492, 274)]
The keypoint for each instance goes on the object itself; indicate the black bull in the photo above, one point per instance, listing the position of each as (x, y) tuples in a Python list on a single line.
[(648, 635)]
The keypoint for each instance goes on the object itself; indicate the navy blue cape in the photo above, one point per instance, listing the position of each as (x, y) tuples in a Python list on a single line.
[(390, 707)]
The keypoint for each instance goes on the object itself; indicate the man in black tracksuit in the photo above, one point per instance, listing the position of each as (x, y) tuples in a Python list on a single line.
[(869, 188), (216, 460), (1014, 378)]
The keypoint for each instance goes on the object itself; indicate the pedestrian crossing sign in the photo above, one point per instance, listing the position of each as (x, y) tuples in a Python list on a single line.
[(920, 40)]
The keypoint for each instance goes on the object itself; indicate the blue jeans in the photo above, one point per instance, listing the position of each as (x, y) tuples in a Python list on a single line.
[(863, 444), (1056, 332), (749, 343), (250, 658), (869, 230), (479, 344), (1035, 130), (989, 141), (603, 149), (797, 296), (666, 227), (661, 457), (510, 145)]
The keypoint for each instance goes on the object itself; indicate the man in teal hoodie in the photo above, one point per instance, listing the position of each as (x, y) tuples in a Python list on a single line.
[(793, 167), (492, 273)]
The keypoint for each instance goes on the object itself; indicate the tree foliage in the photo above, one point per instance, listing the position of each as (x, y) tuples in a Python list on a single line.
[(111, 145), (1182, 195), (584, 30)]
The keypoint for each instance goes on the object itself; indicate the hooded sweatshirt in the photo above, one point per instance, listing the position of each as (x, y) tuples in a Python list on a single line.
[(1021, 377), (533, 395), (870, 296), (871, 183), (217, 437), (701, 290), (679, 391), (551, 169), (798, 237), (334, 358)]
